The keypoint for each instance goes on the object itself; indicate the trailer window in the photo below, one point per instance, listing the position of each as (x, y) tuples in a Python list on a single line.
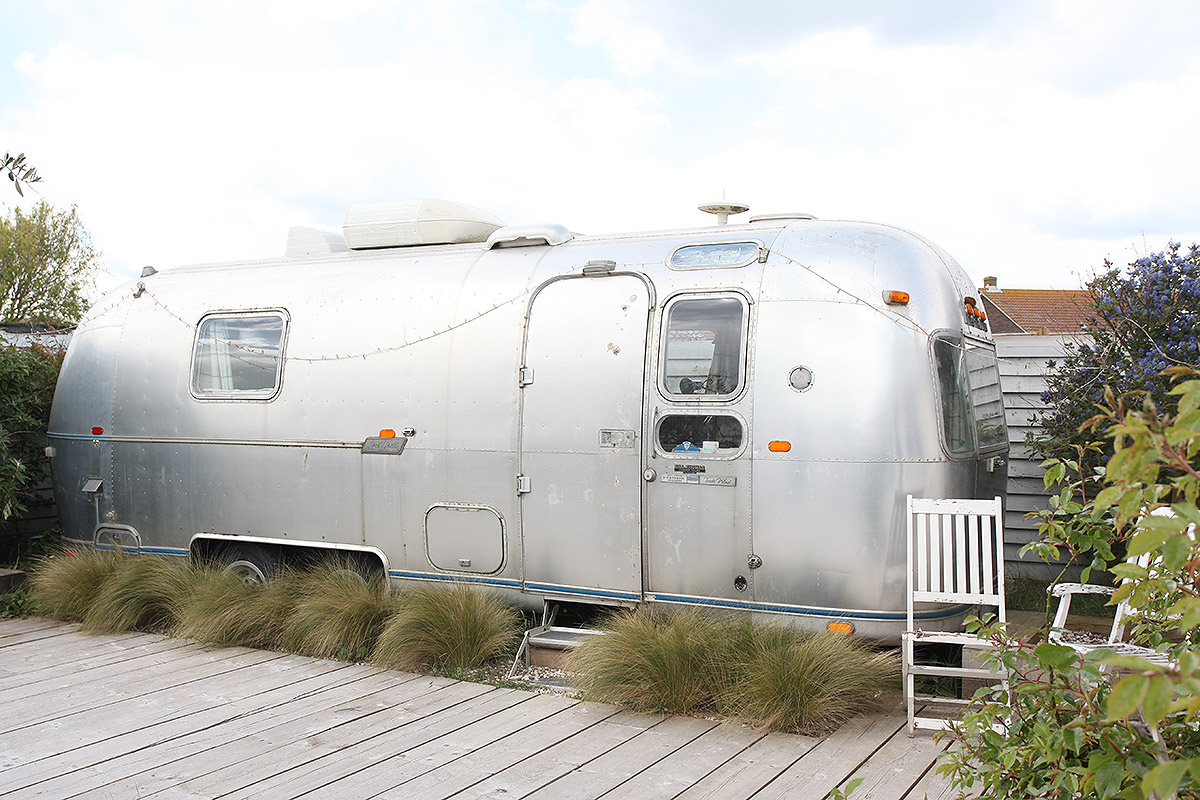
[(987, 402), (707, 256), (238, 356), (950, 359), (699, 433), (703, 347)]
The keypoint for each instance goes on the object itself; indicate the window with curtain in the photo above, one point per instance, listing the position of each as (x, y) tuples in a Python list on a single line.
[(238, 356), (703, 347)]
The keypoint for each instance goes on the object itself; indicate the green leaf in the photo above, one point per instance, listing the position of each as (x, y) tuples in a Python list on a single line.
[(1108, 497), (1165, 777), (1158, 697), (1108, 776), (1127, 570), (1126, 696), (1147, 541), (1055, 655)]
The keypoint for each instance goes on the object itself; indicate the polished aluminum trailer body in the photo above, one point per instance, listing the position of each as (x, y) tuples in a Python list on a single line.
[(728, 416)]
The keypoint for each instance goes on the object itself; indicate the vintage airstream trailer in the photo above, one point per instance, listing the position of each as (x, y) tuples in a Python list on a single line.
[(726, 416)]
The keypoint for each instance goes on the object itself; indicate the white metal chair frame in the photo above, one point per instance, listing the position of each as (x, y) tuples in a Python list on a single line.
[(1060, 634), (955, 556)]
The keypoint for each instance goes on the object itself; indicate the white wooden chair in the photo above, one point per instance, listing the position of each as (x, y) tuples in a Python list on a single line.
[(1084, 642), (955, 556)]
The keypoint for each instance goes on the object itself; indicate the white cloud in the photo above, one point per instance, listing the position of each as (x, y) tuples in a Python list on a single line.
[(633, 46)]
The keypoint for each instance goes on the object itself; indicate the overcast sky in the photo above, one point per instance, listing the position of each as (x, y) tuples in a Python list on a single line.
[(1032, 140)]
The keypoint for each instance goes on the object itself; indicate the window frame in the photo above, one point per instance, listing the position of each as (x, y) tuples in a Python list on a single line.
[(962, 342), (721, 455), (239, 395), (759, 255), (743, 349)]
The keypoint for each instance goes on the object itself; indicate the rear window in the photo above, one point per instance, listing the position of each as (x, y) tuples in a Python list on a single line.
[(972, 404), (238, 356)]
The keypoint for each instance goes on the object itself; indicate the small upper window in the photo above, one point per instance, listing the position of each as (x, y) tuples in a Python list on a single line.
[(969, 389), (725, 254), (238, 356), (703, 346)]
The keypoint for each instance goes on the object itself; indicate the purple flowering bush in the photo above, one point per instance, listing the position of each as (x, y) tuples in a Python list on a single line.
[(1146, 318)]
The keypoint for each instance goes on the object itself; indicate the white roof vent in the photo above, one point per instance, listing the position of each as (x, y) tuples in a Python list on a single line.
[(416, 222), (311, 242), (529, 236)]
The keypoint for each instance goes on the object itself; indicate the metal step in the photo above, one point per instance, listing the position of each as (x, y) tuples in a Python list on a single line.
[(542, 657)]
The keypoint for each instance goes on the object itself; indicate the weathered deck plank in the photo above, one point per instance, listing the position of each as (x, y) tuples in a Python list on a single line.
[(134, 715)]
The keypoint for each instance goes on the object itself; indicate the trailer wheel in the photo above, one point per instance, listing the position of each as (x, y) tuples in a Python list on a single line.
[(253, 564)]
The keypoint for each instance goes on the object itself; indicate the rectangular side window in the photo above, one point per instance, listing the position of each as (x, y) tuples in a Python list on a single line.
[(703, 347), (983, 377), (953, 394), (238, 356)]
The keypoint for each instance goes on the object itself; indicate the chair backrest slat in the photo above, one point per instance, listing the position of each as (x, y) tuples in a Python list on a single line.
[(956, 552)]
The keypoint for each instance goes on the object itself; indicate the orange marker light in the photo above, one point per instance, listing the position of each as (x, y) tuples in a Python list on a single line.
[(895, 298), (779, 447), (387, 433), (846, 628)]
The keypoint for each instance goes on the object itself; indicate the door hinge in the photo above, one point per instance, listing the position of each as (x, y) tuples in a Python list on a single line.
[(523, 484), (525, 377)]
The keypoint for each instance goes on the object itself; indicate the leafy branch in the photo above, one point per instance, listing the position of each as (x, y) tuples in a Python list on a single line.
[(19, 172)]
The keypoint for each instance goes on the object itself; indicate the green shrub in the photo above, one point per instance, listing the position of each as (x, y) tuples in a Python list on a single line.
[(64, 586), (16, 604), (225, 610), (455, 627), (336, 612), (27, 378), (143, 593)]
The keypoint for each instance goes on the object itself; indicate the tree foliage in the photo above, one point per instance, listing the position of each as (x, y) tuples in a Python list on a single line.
[(1144, 319), (1061, 729), (18, 171), (27, 378), (47, 265)]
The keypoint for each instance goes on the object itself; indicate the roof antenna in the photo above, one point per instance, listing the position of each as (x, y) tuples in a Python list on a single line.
[(723, 209)]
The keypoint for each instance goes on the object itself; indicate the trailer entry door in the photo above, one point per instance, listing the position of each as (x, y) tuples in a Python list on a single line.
[(581, 438)]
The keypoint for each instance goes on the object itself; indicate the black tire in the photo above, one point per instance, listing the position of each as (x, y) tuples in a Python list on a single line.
[(254, 564)]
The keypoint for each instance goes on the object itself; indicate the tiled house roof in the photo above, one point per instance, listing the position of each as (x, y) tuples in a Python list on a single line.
[(1038, 311)]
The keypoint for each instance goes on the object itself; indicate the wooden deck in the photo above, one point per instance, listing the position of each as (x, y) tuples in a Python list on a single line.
[(136, 715)]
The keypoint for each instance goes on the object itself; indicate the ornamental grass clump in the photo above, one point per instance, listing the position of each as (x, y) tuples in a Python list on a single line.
[(773, 677), (805, 682), (143, 593), (651, 662), (451, 627), (223, 609), (64, 586), (337, 612)]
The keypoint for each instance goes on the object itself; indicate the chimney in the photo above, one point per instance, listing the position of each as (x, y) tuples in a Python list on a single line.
[(989, 284)]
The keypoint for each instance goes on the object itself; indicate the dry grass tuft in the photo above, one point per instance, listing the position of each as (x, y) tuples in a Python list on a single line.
[(64, 586), (337, 613), (144, 593), (455, 627), (650, 662), (773, 677), (805, 682), (223, 609)]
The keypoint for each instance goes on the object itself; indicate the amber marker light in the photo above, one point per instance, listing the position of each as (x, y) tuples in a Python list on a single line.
[(846, 628), (387, 433), (779, 447), (895, 298)]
